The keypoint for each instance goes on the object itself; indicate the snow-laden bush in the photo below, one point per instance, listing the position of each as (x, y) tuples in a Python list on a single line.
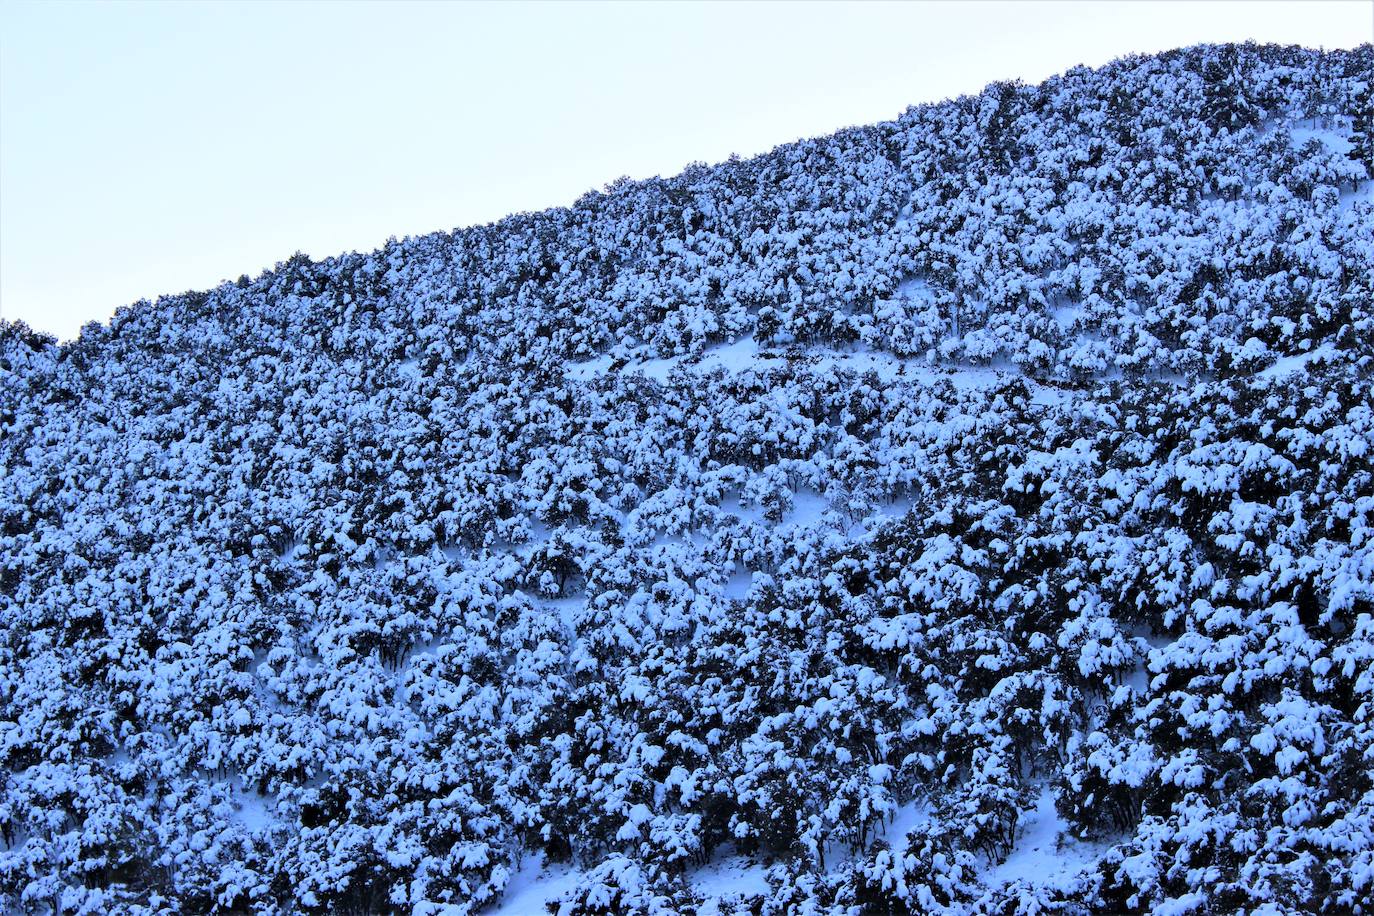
[(1008, 463)]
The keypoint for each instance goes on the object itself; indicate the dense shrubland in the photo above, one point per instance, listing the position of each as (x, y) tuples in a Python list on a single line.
[(1008, 459)]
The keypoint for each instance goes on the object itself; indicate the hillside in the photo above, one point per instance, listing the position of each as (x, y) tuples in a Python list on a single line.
[(969, 513)]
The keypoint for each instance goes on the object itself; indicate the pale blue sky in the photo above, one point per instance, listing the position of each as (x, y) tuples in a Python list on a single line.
[(151, 148)]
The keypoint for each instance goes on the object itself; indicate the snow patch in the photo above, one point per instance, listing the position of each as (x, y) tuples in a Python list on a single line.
[(808, 507), (589, 369), (728, 881), (907, 818), (738, 585), (745, 354), (533, 885), (1337, 141), (1286, 365), (1045, 851), (254, 811)]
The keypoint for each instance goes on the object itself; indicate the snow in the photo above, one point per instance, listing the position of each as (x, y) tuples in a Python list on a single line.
[(745, 354), (656, 369), (735, 356), (591, 368), (732, 357), (731, 504), (907, 818), (1335, 136), (732, 877), (807, 507), (537, 883), (1287, 365), (254, 811), (567, 609), (1335, 140), (489, 608), (1045, 853), (882, 515), (915, 289), (738, 585), (1362, 194), (1065, 312), (533, 885)]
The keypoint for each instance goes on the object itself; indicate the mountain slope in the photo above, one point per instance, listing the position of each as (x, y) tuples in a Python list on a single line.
[(834, 531)]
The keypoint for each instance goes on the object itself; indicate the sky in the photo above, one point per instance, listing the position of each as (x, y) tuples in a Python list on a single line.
[(154, 147)]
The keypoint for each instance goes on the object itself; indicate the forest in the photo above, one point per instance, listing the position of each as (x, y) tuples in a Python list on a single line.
[(971, 513)]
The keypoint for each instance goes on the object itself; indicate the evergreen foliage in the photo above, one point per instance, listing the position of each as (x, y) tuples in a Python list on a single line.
[(854, 509)]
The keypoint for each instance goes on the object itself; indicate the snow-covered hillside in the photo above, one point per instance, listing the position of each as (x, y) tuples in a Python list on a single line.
[(969, 513)]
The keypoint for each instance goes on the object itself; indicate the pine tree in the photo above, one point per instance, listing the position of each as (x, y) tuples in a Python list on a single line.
[(1227, 104), (1362, 140)]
